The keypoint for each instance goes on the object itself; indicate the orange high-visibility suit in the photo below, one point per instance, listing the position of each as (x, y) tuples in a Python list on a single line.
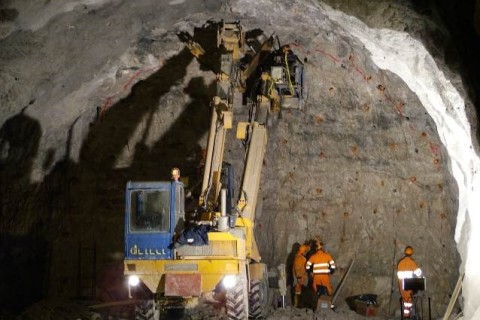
[(407, 268), (300, 277), (323, 265)]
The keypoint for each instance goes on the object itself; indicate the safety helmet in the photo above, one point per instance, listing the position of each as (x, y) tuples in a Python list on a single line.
[(303, 248), (408, 251)]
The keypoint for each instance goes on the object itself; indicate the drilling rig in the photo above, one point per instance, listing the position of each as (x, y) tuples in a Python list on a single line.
[(212, 252)]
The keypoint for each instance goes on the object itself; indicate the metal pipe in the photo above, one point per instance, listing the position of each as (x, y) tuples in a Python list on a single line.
[(223, 193), (454, 297)]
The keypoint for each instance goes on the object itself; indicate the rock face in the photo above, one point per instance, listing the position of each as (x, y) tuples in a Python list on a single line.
[(362, 168), (361, 165)]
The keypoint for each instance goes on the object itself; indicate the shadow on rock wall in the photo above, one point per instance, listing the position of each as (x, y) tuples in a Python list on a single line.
[(102, 184), (80, 205), (23, 245)]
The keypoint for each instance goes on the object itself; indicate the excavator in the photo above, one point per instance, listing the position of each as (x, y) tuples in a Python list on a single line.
[(180, 257)]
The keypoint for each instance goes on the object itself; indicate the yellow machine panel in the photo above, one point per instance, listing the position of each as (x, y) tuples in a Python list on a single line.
[(152, 272)]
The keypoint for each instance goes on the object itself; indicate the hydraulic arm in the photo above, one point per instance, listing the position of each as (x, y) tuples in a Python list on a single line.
[(214, 251)]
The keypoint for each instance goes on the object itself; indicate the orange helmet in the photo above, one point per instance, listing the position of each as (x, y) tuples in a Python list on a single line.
[(408, 251), (303, 248)]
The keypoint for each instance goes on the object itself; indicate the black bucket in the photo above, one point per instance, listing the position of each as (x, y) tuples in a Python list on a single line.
[(366, 298)]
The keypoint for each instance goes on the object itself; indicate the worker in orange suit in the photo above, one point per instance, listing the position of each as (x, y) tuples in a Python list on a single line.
[(407, 268), (300, 276), (323, 266)]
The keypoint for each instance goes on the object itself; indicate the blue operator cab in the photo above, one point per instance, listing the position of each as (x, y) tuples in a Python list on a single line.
[(154, 213)]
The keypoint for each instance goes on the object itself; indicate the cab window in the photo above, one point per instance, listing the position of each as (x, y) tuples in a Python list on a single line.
[(150, 211)]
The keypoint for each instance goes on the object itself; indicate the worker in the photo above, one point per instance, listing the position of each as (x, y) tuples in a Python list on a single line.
[(300, 276), (175, 174), (323, 266), (407, 268)]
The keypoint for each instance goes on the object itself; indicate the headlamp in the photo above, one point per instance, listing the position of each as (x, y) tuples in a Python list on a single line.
[(133, 280), (229, 281)]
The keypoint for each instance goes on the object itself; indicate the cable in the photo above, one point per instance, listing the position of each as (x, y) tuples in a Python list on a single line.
[(288, 73), (393, 263)]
